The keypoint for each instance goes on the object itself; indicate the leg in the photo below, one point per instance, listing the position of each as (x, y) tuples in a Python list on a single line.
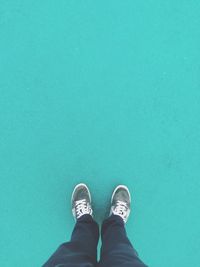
[(81, 251), (117, 250)]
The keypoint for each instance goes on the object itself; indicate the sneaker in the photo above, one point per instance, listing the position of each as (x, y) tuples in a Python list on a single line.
[(120, 202), (81, 201)]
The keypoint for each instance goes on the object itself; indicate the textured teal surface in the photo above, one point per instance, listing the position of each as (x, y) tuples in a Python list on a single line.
[(104, 92)]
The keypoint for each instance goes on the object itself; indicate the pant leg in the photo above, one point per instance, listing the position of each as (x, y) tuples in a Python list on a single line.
[(117, 250), (81, 251)]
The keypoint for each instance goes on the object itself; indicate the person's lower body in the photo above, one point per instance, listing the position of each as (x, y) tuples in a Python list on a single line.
[(81, 251)]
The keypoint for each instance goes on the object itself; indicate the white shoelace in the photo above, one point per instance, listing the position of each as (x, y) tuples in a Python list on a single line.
[(82, 207), (121, 209)]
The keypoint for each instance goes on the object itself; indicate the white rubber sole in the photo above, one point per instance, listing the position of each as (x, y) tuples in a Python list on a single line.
[(82, 185), (121, 186)]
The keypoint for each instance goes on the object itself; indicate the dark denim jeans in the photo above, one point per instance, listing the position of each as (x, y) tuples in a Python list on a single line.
[(81, 251)]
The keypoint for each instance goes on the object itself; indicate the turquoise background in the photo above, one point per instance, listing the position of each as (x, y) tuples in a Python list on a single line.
[(103, 92)]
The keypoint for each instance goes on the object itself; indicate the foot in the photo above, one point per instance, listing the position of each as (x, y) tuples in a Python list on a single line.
[(120, 202), (81, 201)]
